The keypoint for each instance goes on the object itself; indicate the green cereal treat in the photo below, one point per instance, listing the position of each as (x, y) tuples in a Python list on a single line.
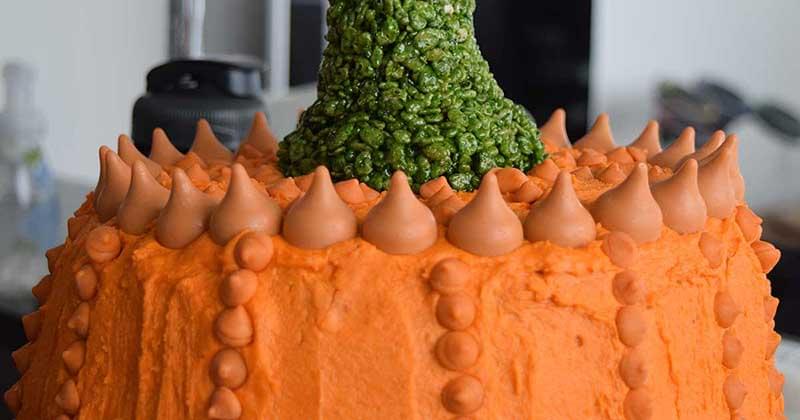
[(404, 86)]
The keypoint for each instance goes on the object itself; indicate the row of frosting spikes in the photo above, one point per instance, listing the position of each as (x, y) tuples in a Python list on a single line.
[(600, 138)]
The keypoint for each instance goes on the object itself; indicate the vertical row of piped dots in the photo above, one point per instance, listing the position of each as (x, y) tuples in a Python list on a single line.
[(102, 245), (234, 327), (750, 226), (457, 350), (631, 322), (31, 324)]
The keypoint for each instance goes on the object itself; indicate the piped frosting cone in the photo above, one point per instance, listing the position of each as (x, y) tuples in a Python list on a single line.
[(737, 180), (560, 217), (115, 186), (261, 136), (207, 146), (716, 187), (186, 214), (163, 151), (554, 131), (631, 208), (682, 146), (130, 154), (400, 223), (319, 218), (244, 207), (144, 201), (486, 226), (707, 149), (649, 140), (681, 203), (101, 179), (599, 136)]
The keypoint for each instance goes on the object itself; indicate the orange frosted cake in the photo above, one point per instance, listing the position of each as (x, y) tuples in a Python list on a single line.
[(417, 249), (600, 285)]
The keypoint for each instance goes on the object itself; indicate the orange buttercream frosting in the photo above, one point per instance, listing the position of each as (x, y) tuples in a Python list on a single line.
[(192, 316)]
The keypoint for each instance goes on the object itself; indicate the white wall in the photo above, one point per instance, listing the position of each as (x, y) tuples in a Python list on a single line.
[(752, 45), (92, 57)]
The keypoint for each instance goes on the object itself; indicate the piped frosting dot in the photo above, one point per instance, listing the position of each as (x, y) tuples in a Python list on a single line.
[(400, 224), (735, 391), (633, 368), (628, 288), (714, 180), (319, 218), (455, 312), (638, 405), (224, 405), (129, 154), (207, 146), (599, 136), (428, 189), (680, 148), (649, 140), (749, 223), (244, 207), (631, 208), (350, 191), (115, 187), (528, 192), (554, 131), (86, 282), (162, 151), (486, 226), (103, 244), (621, 249), (591, 157), (74, 356), (185, 216), (732, 350), (713, 249), (457, 350), (767, 255), (238, 288), (234, 327), (450, 276), (547, 170), (725, 309), (144, 201), (228, 369), (620, 155), (613, 174), (681, 203), (631, 325), (560, 217), (79, 321), (563, 159), (510, 179), (463, 395), (68, 398)]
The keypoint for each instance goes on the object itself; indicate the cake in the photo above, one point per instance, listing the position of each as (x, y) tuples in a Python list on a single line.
[(583, 281)]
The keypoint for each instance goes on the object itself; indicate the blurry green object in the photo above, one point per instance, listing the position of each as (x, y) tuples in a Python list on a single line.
[(404, 86)]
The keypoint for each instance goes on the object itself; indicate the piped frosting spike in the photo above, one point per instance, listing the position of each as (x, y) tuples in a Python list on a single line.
[(599, 136), (101, 179), (144, 201), (680, 200), (486, 226), (650, 139), (707, 149), (115, 186), (400, 223), (163, 151), (631, 208), (319, 218), (737, 181), (682, 146), (261, 136), (560, 217), (716, 186), (130, 154), (244, 207), (185, 216), (554, 131), (207, 146)]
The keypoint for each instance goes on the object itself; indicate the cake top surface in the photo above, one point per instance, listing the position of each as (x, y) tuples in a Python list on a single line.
[(403, 86)]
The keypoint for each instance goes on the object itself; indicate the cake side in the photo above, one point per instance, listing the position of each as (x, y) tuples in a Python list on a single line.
[(251, 325)]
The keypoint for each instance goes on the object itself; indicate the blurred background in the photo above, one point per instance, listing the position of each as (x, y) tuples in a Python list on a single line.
[(74, 70)]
